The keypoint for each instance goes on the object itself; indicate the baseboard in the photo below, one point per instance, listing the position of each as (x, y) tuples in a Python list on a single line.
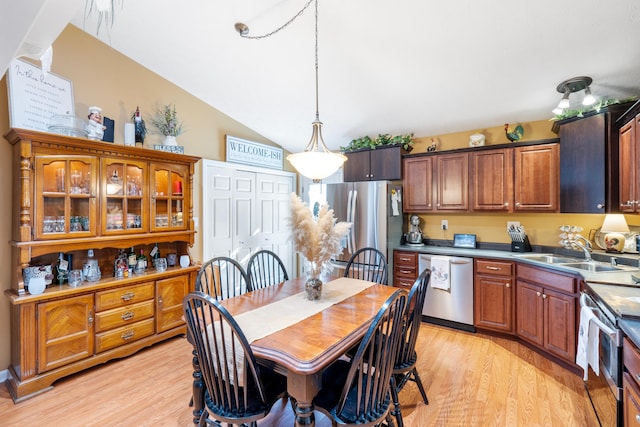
[(3, 375)]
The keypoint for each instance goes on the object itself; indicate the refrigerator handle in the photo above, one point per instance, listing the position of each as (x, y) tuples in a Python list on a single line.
[(352, 233), (349, 215)]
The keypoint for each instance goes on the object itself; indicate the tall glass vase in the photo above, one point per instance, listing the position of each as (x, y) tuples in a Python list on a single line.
[(313, 285)]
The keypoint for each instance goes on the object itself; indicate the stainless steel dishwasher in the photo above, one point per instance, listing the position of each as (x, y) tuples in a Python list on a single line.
[(452, 307)]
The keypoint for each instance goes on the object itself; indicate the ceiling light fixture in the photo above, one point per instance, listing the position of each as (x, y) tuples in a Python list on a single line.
[(316, 161), (572, 85)]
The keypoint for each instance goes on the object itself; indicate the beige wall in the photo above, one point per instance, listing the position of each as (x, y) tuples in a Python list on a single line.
[(103, 77), (491, 227)]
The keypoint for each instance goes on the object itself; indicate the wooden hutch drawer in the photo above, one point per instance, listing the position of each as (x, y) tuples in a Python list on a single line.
[(403, 282), (126, 334), (493, 267), (116, 317), (409, 259), (113, 298)]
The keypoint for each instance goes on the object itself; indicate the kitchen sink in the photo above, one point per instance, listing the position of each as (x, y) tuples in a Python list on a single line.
[(593, 267), (550, 259)]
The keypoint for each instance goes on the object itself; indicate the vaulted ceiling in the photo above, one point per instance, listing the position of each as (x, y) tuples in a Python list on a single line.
[(423, 66)]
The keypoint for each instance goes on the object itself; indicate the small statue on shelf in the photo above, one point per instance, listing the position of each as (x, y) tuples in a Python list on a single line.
[(140, 128), (95, 128)]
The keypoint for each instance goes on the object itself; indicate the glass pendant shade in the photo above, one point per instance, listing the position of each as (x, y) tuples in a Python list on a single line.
[(588, 98), (316, 161)]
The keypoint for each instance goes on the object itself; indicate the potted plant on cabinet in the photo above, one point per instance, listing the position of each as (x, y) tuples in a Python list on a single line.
[(406, 140)]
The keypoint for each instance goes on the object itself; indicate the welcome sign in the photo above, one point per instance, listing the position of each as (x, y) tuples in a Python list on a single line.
[(253, 153)]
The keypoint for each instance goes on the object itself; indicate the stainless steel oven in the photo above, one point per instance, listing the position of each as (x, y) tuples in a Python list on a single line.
[(605, 390)]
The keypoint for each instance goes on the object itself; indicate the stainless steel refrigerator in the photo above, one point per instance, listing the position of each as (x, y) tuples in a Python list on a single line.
[(369, 206)]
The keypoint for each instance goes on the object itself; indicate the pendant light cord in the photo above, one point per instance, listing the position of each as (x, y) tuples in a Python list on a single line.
[(316, 52), (244, 30)]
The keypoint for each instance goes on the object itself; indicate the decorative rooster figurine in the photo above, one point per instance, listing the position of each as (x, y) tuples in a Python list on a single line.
[(516, 134)]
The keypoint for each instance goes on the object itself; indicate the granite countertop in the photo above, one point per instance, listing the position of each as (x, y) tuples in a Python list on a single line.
[(616, 289)]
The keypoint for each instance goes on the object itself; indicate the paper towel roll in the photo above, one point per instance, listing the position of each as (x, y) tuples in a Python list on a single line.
[(129, 134)]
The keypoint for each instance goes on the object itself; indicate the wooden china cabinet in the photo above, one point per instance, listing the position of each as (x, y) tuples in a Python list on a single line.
[(72, 195)]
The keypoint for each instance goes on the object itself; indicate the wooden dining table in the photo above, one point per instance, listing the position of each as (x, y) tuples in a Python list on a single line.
[(303, 349)]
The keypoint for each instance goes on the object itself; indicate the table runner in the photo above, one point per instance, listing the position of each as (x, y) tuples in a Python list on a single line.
[(278, 315)]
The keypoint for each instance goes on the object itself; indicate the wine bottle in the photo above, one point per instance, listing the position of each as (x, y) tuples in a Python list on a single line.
[(133, 259), (141, 264), (61, 273), (155, 252)]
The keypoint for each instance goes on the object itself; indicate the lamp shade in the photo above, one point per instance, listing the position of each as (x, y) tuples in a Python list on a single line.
[(614, 223), (316, 165)]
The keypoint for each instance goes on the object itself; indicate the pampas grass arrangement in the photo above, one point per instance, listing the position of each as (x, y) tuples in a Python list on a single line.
[(318, 241)]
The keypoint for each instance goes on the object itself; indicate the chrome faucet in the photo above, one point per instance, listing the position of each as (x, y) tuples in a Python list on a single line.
[(586, 247)]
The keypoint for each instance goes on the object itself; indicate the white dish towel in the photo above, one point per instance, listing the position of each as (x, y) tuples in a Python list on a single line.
[(588, 342), (441, 272)]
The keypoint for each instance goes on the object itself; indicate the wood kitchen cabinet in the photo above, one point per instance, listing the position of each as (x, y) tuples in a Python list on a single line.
[(491, 180), (631, 384), (72, 195), (629, 161), (546, 310), (405, 269), (494, 295), (536, 178), (507, 179), (383, 163), (452, 182), (418, 184)]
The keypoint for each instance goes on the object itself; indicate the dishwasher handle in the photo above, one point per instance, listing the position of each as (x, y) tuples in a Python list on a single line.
[(452, 260)]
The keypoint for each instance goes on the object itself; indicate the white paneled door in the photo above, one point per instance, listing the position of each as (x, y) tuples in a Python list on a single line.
[(245, 209)]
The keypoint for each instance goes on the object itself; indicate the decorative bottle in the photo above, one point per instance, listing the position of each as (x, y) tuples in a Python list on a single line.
[(61, 273), (141, 264), (132, 260), (140, 128)]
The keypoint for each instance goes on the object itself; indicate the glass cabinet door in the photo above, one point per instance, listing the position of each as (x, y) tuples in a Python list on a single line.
[(65, 197), (123, 188), (169, 183)]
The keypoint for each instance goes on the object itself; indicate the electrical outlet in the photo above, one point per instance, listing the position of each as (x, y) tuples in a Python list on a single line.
[(444, 224), (513, 224)]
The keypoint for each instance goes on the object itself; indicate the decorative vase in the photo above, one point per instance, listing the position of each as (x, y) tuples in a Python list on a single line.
[(170, 140), (313, 285)]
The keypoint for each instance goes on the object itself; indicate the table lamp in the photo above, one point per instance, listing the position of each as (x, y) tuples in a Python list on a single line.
[(614, 225)]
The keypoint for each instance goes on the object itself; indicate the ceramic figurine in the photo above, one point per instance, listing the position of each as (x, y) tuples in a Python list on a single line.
[(95, 128)]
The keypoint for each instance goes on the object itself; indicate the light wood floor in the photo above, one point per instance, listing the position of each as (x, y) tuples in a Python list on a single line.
[(471, 380)]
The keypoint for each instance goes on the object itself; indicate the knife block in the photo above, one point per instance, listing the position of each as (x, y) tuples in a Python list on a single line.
[(524, 246)]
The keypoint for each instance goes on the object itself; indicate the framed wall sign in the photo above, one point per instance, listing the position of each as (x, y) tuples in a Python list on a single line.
[(35, 96), (253, 153)]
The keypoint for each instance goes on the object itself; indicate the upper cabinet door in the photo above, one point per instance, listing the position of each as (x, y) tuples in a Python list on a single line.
[(536, 178), (65, 197), (418, 184), (491, 182), (169, 184), (628, 167), (452, 182), (124, 204)]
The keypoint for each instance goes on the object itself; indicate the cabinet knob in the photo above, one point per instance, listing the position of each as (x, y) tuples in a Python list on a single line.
[(538, 293), (160, 301), (90, 319), (507, 285), (600, 206), (544, 296), (506, 204), (517, 204), (638, 418)]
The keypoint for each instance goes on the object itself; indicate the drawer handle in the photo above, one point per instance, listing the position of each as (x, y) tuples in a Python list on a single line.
[(405, 259), (128, 296), (638, 418), (492, 268), (127, 315), (406, 271), (127, 335)]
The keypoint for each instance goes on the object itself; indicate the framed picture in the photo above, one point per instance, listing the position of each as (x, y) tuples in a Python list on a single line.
[(464, 241), (35, 96)]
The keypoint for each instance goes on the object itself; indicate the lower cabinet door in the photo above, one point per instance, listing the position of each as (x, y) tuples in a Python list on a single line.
[(493, 303), (530, 313), (560, 319), (65, 331), (170, 293)]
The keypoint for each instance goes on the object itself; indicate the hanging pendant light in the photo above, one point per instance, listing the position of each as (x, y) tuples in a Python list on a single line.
[(316, 161)]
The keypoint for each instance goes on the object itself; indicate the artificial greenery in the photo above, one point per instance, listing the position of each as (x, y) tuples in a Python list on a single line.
[(382, 139), (580, 112), (166, 121)]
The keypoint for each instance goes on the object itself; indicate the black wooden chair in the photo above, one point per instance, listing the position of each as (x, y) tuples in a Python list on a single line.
[(222, 278), (368, 264), (359, 392), (265, 268), (237, 389), (404, 368)]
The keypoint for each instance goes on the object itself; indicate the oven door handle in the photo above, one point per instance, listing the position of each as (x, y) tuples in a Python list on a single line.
[(604, 328)]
